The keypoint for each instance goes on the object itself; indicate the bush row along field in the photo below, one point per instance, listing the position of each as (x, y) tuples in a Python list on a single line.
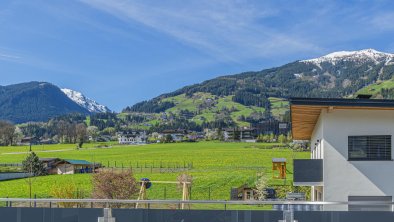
[(216, 168)]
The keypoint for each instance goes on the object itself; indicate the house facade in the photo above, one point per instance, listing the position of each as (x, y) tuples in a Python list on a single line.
[(132, 138), (240, 134), (351, 148)]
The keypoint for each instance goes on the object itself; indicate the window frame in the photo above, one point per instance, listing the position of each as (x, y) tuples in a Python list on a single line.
[(369, 158)]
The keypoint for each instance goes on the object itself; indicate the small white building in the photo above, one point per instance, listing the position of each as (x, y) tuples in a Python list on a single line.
[(351, 149), (132, 138)]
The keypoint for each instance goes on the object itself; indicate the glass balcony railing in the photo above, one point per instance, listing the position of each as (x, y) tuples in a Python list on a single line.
[(86, 210)]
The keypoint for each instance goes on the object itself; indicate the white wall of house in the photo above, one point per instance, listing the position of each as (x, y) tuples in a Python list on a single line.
[(317, 152), (131, 139), (343, 178), (65, 169)]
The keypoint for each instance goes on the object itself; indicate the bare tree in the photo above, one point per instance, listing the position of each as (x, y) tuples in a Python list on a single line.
[(7, 133), (71, 133), (80, 131), (62, 130), (114, 185)]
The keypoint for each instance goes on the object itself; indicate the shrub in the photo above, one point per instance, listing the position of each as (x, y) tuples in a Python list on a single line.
[(114, 185)]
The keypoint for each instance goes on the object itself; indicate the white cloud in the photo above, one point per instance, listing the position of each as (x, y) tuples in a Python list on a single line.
[(9, 56), (383, 21), (227, 30)]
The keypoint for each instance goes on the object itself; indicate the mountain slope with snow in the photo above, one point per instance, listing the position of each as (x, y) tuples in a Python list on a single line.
[(35, 101), (85, 102), (336, 75), (354, 56)]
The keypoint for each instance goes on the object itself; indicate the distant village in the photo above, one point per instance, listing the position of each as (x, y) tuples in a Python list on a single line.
[(266, 131)]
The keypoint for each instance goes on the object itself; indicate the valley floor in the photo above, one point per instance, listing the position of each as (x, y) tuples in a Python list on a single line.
[(216, 166)]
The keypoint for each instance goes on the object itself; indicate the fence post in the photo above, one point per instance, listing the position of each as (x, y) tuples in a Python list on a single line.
[(35, 197), (165, 193), (209, 193)]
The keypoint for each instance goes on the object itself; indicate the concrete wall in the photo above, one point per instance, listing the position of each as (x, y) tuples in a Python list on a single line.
[(11, 176), (343, 178)]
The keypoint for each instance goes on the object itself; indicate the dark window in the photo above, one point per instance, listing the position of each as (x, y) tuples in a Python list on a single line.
[(369, 147)]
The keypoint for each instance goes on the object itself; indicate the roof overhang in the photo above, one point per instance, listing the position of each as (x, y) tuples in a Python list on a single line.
[(305, 112)]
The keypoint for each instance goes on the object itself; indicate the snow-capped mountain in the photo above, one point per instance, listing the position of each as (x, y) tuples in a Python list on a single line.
[(354, 56), (85, 102)]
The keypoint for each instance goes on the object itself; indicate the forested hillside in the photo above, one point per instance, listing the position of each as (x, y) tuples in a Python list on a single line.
[(35, 101), (241, 99)]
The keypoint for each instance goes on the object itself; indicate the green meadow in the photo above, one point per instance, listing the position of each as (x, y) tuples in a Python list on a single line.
[(216, 166)]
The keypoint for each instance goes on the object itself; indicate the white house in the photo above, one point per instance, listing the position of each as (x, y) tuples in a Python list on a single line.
[(132, 138), (351, 149)]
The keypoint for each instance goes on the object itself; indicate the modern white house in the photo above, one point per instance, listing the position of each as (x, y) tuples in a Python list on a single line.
[(351, 149)]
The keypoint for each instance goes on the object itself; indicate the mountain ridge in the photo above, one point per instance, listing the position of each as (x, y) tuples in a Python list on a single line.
[(336, 75), (314, 77), (35, 101), (85, 102)]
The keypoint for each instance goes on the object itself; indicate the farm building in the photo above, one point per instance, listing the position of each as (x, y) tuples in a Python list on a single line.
[(351, 149), (50, 164), (62, 166), (74, 167)]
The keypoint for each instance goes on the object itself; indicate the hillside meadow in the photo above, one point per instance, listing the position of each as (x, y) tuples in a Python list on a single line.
[(216, 166)]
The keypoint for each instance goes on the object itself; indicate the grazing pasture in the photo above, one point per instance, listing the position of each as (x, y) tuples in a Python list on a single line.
[(215, 166)]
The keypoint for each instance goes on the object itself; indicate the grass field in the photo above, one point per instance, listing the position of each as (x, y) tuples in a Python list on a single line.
[(279, 106), (216, 168), (375, 89)]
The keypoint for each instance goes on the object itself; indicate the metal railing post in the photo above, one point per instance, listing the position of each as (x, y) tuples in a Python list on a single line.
[(107, 217)]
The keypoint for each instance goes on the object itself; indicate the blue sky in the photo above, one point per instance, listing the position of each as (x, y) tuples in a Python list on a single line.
[(120, 52)]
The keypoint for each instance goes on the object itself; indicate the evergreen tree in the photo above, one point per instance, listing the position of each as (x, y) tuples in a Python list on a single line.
[(33, 165)]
